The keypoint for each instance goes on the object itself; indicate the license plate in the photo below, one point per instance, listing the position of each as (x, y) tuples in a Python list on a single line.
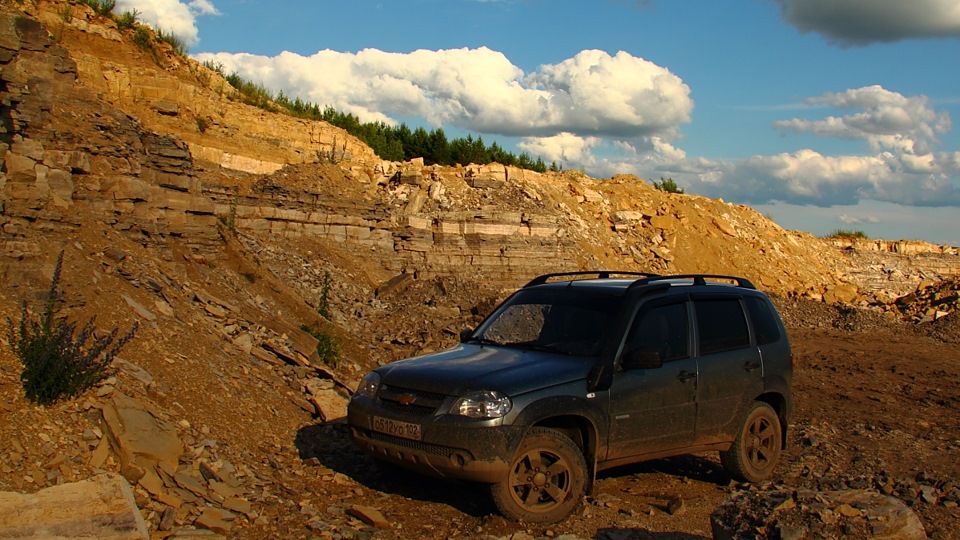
[(405, 430)]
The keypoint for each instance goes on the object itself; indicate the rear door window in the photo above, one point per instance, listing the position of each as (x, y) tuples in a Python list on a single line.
[(764, 321), (721, 325)]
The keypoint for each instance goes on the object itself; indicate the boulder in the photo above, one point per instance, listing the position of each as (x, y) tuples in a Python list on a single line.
[(138, 437), (809, 515), (102, 507), (841, 293)]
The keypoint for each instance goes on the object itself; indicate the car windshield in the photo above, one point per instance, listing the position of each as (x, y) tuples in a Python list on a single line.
[(563, 321)]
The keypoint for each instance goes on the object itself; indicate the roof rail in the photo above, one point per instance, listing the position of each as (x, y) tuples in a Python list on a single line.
[(698, 279), (600, 274)]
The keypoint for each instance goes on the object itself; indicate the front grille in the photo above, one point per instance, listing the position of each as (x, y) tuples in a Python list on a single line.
[(411, 402), (417, 410)]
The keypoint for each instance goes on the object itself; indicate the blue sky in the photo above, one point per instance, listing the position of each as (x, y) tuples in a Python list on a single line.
[(822, 114)]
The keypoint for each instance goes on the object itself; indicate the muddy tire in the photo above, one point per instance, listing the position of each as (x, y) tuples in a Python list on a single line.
[(547, 479), (755, 452)]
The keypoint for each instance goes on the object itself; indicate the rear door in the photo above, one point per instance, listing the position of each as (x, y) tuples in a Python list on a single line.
[(730, 370)]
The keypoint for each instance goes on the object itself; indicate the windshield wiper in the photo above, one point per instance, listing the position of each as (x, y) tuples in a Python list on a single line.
[(484, 341), (534, 346)]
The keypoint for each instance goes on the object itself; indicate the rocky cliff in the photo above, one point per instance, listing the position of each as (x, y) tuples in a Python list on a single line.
[(159, 146)]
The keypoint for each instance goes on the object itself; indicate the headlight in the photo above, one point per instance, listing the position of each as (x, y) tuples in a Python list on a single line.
[(369, 385), (482, 404)]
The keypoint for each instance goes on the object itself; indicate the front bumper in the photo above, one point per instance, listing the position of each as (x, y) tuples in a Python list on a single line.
[(451, 447)]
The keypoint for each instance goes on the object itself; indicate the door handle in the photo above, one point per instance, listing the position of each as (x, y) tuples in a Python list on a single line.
[(750, 366), (685, 376)]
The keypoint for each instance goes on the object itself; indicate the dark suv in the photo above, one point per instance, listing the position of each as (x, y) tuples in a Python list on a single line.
[(579, 372)]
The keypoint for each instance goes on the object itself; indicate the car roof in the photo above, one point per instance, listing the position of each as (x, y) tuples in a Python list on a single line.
[(604, 284), (614, 280)]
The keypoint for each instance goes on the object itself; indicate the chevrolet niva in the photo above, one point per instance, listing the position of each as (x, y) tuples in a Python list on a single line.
[(583, 371)]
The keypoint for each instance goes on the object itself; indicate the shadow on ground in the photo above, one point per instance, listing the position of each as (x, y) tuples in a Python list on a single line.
[(331, 446), (698, 467)]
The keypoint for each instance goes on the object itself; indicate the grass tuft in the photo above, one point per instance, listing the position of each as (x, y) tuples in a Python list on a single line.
[(850, 235)]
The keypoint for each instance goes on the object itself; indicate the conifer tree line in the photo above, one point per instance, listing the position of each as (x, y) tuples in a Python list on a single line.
[(400, 143)]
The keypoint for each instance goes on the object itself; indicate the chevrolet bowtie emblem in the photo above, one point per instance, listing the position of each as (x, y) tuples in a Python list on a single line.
[(406, 399)]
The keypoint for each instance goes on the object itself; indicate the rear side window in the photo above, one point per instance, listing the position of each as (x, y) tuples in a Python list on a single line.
[(721, 325), (764, 321)]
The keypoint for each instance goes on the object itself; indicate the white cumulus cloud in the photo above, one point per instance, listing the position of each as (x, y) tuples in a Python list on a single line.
[(861, 22), (856, 220), (171, 16), (592, 94), (904, 167), (888, 120), (619, 95), (562, 148), (811, 178)]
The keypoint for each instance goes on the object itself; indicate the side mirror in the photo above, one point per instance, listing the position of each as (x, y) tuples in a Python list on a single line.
[(465, 334), (642, 359)]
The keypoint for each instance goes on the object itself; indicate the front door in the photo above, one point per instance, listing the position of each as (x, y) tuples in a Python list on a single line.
[(653, 409)]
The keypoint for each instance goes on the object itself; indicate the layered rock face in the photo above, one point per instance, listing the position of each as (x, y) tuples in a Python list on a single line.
[(68, 157), (172, 94), (97, 129), (894, 269)]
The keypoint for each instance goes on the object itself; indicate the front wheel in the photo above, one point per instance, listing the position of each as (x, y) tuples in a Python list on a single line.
[(757, 447), (546, 481)]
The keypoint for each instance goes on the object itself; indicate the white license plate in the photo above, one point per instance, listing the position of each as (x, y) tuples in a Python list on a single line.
[(397, 429)]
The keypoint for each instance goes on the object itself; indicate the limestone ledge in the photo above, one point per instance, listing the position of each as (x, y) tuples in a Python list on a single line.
[(410, 232), (233, 161), (903, 247)]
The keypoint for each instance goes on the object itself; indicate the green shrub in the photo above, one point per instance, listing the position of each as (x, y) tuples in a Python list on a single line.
[(667, 185), (102, 7), (850, 235), (66, 15), (256, 95), (142, 38), (328, 348), (59, 362), (214, 66), (126, 20), (177, 44), (323, 307)]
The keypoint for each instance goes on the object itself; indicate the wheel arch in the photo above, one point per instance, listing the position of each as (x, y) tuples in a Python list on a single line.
[(583, 432), (577, 428), (781, 406)]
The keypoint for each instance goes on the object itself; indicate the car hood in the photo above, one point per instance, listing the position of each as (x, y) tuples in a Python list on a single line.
[(468, 367)]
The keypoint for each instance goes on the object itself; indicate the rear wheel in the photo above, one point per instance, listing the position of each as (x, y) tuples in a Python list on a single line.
[(757, 448), (546, 481)]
